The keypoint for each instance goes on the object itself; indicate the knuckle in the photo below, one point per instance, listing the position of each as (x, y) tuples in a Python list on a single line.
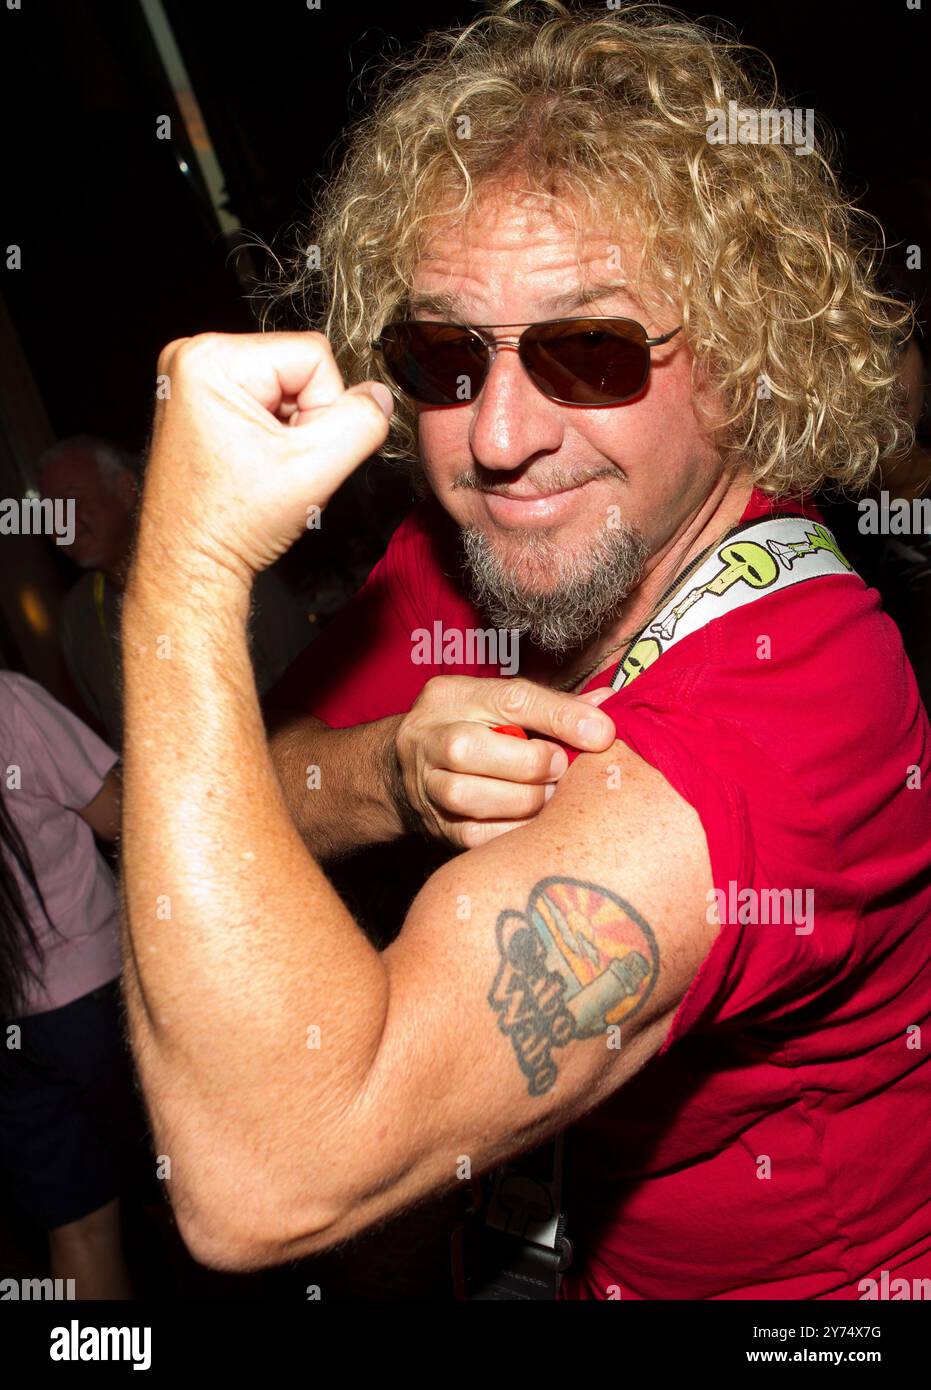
[(565, 718), (193, 351), (201, 344), (532, 800), (370, 411), (471, 834), (169, 352), (517, 696), (430, 693), (322, 345), (455, 794), (459, 750), (438, 690), (542, 759)]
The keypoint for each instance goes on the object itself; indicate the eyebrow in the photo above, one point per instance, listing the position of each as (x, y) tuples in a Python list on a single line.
[(577, 298)]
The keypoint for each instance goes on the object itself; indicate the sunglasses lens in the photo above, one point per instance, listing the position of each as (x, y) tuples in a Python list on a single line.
[(436, 363), (587, 361)]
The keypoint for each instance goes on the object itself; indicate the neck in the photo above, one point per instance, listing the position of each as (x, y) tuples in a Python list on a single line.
[(721, 509)]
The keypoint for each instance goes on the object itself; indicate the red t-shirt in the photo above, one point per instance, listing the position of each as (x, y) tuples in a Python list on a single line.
[(778, 1146)]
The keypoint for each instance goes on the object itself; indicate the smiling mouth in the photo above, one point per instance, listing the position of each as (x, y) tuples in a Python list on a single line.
[(536, 495), (510, 508)]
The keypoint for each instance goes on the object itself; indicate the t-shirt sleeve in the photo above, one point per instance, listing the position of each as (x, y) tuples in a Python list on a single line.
[(788, 916), (68, 761)]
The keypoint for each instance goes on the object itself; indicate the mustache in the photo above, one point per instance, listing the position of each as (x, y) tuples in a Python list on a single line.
[(554, 482)]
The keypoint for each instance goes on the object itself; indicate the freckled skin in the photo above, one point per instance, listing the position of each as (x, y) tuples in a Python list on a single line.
[(659, 469)]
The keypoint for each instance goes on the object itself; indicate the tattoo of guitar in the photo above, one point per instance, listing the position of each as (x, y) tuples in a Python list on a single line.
[(577, 960)]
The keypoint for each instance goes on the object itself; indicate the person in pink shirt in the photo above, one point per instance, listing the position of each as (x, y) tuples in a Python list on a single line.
[(67, 1104)]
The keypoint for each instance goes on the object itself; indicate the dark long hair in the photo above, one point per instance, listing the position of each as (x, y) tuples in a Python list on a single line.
[(21, 953)]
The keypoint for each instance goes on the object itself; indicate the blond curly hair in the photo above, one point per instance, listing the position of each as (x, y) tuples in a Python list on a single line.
[(752, 247)]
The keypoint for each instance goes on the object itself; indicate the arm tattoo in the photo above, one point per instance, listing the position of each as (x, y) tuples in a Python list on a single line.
[(578, 959)]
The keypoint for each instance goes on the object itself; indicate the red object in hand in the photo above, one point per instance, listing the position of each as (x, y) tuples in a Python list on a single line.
[(513, 729)]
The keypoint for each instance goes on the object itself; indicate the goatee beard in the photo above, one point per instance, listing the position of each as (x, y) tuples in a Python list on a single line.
[(581, 593)]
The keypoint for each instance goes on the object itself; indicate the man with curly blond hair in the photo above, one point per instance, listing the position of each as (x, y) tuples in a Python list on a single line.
[(623, 351)]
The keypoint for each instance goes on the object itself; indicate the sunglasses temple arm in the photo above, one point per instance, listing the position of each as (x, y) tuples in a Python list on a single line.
[(658, 342)]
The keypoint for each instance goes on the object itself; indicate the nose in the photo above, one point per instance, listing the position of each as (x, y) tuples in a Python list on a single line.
[(512, 422)]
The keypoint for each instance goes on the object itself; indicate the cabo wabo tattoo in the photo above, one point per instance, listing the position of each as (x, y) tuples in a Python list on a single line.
[(576, 961)]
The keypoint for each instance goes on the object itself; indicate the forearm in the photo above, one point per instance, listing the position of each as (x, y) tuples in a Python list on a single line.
[(342, 786), (235, 944)]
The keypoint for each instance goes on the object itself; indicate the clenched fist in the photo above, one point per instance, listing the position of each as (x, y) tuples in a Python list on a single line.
[(256, 430)]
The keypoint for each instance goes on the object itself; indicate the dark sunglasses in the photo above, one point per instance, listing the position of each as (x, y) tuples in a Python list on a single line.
[(581, 361)]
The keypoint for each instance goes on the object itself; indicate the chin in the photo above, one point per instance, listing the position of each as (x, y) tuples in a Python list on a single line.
[(540, 546), (540, 563)]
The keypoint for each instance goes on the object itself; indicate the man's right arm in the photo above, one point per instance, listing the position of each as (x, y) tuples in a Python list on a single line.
[(441, 769), (341, 786)]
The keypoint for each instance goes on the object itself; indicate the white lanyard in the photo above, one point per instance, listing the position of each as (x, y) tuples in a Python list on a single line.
[(756, 559)]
